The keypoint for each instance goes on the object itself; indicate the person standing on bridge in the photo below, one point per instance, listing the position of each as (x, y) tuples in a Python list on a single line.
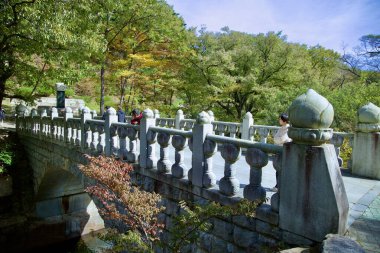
[(2, 115), (120, 115), (281, 137), (136, 117)]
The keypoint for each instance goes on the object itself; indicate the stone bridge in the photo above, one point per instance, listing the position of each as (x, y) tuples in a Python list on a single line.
[(204, 159)]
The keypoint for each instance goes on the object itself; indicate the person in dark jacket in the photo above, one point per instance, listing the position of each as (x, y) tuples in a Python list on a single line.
[(120, 115), (105, 112), (136, 117)]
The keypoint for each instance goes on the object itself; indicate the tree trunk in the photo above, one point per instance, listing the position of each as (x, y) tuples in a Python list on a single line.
[(102, 84)]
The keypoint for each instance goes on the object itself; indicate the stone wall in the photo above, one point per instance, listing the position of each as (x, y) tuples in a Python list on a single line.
[(67, 200)]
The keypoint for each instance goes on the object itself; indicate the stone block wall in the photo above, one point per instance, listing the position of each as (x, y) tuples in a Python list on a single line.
[(235, 234)]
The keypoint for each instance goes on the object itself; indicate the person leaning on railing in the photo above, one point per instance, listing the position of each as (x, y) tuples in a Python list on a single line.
[(281, 137), (136, 117)]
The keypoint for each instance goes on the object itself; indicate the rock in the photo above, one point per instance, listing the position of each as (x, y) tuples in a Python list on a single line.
[(340, 244)]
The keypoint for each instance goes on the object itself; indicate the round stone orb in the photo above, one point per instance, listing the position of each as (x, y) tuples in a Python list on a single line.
[(369, 114), (311, 110)]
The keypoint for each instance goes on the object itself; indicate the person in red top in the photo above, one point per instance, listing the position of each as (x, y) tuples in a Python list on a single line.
[(136, 117)]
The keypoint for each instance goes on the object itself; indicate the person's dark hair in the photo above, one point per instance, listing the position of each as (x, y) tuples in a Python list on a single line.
[(135, 111), (284, 117), (107, 107)]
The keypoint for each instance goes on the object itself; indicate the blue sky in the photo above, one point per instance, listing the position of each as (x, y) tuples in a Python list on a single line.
[(329, 23)]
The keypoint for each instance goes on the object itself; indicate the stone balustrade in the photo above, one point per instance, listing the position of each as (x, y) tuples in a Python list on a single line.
[(309, 162)]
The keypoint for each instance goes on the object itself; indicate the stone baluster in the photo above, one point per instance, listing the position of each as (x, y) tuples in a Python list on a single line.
[(132, 153), (78, 136), (88, 136), (54, 124), (263, 133), (366, 151), (229, 185), (101, 139), (93, 135), (111, 117), (35, 126), (256, 159), (179, 169), (122, 152), (67, 131), (277, 165), (220, 129), (310, 172), (337, 141), (201, 174), (178, 117), (246, 126), (43, 125), (164, 164), (81, 132), (147, 145), (233, 129), (115, 141)]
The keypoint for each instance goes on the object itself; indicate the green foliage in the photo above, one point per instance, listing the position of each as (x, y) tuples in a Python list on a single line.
[(120, 242), (6, 155), (198, 218)]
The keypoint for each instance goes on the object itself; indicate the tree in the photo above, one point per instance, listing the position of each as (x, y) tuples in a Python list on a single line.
[(36, 39), (132, 27)]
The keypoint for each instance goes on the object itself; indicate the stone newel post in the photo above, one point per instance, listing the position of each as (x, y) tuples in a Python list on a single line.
[(366, 152), (313, 200), (147, 140), (201, 171), (111, 117), (85, 115)]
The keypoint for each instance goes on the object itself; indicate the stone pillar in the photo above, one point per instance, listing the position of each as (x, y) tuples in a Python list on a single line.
[(313, 200), (147, 121), (85, 115), (366, 150), (111, 117), (156, 113), (93, 114), (198, 176), (246, 126), (179, 116), (60, 88)]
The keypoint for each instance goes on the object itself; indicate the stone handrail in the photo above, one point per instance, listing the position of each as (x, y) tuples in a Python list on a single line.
[(305, 166)]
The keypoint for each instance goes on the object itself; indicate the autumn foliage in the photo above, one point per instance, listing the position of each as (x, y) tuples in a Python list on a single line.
[(122, 200)]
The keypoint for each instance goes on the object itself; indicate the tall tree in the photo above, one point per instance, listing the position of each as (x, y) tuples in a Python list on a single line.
[(130, 27), (38, 37)]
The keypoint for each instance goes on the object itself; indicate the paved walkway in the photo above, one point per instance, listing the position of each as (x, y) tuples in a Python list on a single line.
[(363, 196)]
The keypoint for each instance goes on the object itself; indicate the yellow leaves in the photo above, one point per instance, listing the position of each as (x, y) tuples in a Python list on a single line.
[(145, 60)]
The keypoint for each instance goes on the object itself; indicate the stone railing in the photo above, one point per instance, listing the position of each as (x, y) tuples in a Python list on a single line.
[(306, 164)]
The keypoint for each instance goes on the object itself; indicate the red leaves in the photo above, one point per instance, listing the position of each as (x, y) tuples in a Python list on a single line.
[(120, 199)]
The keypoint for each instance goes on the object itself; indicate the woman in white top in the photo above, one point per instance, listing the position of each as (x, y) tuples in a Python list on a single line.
[(281, 137), (282, 134)]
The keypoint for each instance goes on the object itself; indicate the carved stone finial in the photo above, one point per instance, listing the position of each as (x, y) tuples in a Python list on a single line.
[(369, 118), (54, 110), (248, 115), (68, 110), (60, 87), (179, 112), (203, 118), (148, 113), (311, 116), (111, 111), (311, 110)]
